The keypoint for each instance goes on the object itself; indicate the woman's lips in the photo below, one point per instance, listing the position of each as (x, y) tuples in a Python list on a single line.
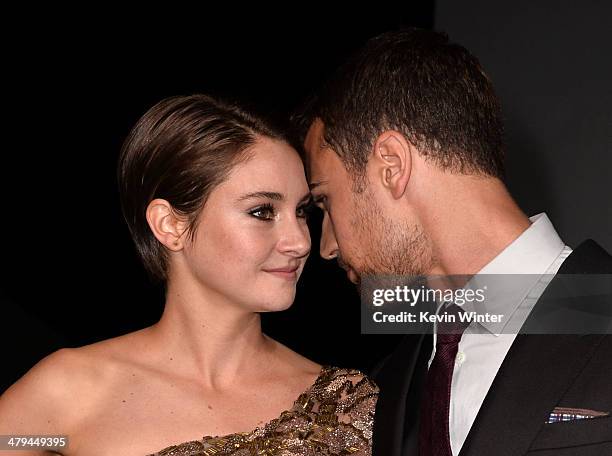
[(289, 273)]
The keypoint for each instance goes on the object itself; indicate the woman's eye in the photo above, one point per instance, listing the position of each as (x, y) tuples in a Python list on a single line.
[(265, 212)]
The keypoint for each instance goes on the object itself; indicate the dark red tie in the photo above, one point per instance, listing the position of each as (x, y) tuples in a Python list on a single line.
[(434, 434)]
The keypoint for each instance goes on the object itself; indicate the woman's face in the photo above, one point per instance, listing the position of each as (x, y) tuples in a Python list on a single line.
[(251, 240)]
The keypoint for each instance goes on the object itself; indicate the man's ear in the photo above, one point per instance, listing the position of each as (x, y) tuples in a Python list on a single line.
[(393, 162), (165, 224)]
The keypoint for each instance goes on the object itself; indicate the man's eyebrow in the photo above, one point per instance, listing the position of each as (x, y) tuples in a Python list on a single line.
[(269, 195), (313, 185), (306, 197)]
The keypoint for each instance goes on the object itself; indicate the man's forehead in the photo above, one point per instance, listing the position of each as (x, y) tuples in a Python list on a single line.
[(314, 144), (314, 141)]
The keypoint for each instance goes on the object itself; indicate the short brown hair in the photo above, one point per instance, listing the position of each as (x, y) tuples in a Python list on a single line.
[(414, 81), (180, 150)]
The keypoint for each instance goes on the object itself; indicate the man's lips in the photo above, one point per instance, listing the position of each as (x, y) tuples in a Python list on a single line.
[(350, 272), (352, 276)]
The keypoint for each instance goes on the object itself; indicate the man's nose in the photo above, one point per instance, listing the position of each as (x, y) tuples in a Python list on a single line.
[(328, 247)]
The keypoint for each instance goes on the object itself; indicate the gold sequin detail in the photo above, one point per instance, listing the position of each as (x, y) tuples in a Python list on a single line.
[(335, 416)]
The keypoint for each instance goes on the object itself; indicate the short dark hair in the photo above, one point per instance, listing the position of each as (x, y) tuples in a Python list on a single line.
[(416, 82), (180, 150)]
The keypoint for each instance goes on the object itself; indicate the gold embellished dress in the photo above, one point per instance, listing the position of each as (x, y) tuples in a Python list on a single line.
[(334, 416)]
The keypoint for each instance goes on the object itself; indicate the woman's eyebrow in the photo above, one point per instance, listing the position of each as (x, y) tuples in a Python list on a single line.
[(269, 195)]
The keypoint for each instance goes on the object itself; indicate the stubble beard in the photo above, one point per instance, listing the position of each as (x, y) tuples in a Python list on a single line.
[(388, 247)]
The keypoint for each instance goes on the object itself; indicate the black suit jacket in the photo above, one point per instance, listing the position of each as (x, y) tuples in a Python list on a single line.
[(539, 373)]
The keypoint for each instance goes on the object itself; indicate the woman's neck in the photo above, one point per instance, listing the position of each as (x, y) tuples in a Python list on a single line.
[(202, 334)]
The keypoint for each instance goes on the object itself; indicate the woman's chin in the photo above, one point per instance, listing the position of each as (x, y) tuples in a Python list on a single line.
[(277, 304)]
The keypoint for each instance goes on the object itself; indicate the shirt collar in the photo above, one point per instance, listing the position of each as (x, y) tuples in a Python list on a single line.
[(531, 254)]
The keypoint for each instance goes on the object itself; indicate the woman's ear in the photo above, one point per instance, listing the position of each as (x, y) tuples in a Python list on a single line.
[(165, 224), (393, 162)]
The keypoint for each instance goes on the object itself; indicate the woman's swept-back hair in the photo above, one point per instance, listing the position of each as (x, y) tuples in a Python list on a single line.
[(180, 150)]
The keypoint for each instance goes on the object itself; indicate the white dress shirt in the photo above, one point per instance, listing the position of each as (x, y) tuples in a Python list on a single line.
[(539, 252)]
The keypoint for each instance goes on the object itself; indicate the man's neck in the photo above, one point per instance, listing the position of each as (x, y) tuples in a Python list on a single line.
[(474, 227)]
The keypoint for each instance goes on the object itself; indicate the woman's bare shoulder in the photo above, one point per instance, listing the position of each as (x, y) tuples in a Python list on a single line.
[(294, 361), (45, 392), (58, 390)]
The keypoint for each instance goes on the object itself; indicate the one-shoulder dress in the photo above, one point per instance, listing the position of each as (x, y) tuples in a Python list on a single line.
[(334, 416)]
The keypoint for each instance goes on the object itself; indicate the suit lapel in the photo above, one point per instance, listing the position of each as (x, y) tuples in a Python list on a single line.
[(534, 375), (516, 406), (400, 381)]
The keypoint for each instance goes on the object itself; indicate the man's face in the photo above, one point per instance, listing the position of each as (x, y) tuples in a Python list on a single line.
[(357, 228)]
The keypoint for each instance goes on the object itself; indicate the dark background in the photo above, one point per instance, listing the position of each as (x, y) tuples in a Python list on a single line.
[(70, 275)]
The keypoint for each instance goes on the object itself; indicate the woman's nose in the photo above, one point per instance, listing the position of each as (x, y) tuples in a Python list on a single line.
[(295, 238)]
